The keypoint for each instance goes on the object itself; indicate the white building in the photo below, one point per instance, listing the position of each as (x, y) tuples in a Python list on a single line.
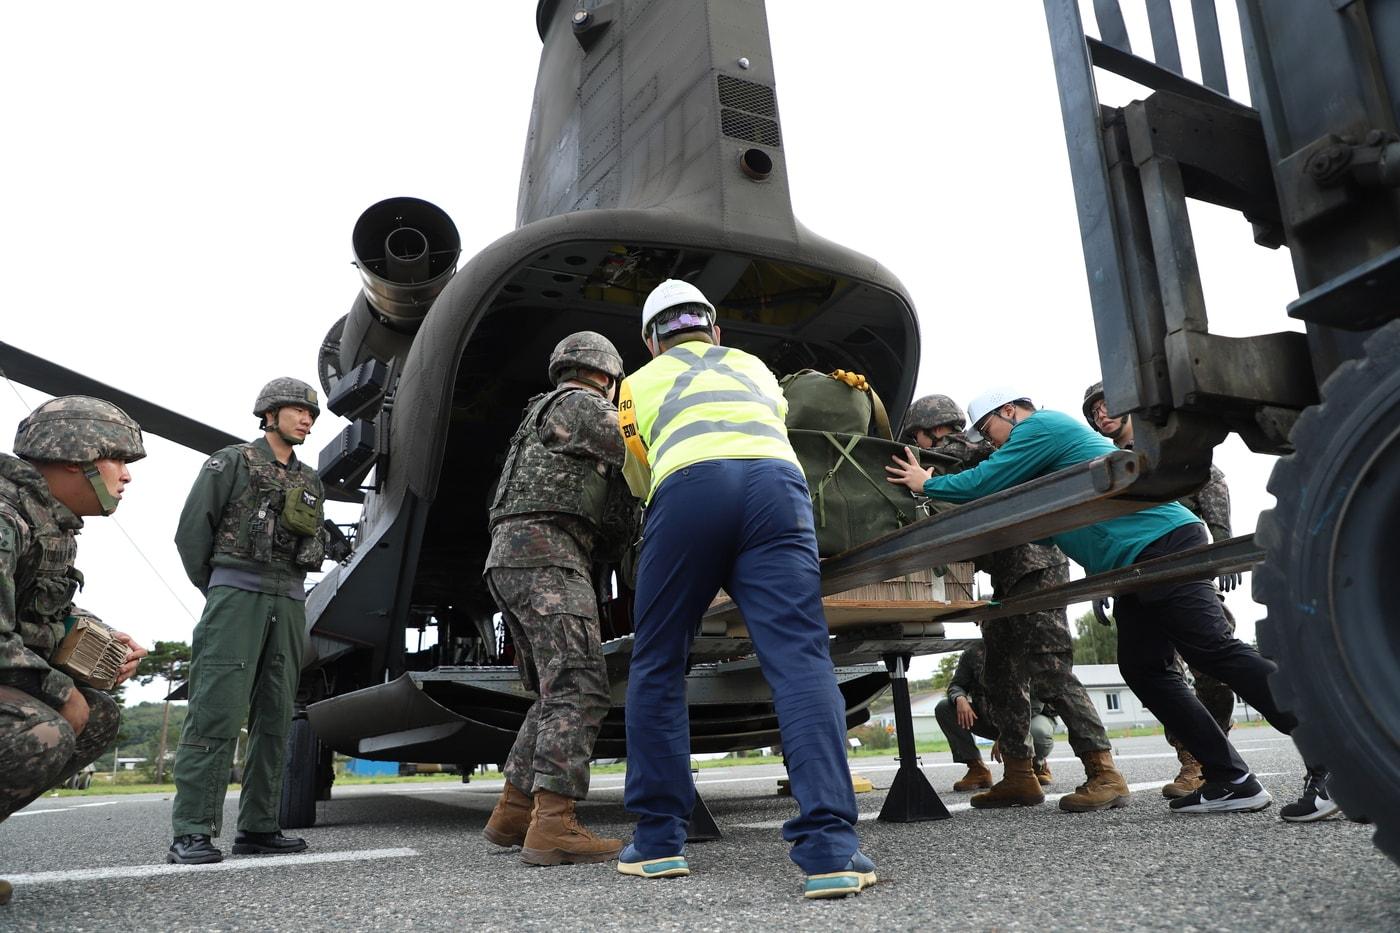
[(1119, 707)]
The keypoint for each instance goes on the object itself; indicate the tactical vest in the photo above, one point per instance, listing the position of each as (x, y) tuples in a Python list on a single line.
[(254, 527), (45, 578), (535, 479)]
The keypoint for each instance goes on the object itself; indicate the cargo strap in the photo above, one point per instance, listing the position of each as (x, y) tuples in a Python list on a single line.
[(819, 495)]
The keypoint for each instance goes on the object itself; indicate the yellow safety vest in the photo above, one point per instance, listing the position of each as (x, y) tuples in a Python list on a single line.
[(702, 402)]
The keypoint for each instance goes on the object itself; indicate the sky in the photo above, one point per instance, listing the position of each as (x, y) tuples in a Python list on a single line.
[(183, 178)]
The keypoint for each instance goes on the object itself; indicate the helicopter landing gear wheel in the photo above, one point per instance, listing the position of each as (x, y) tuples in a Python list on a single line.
[(1332, 549)]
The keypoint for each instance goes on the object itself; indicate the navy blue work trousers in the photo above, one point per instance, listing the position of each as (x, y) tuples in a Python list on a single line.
[(745, 525), (1158, 621)]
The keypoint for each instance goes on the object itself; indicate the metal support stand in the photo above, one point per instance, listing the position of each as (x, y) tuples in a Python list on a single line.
[(911, 798), (702, 826)]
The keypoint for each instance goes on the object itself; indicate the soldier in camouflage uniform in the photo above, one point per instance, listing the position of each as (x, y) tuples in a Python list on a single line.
[(964, 712), (72, 457), (250, 531), (548, 525), (1211, 504), (1026, 653)]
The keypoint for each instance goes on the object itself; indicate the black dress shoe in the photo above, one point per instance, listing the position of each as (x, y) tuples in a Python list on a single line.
[(194, 849), (246, 843)]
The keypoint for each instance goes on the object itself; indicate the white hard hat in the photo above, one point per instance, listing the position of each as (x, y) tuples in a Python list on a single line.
[(670, 293), (990, 401)]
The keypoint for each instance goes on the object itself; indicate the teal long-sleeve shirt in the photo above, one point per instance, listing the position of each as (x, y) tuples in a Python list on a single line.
[(1043, 443)]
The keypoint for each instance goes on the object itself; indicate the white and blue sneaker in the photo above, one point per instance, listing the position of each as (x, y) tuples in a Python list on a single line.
[(858, 875), (1224, 797), (629, 862)]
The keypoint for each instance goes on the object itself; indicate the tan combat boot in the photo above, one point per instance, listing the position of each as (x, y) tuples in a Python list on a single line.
[(1104, 789), (556, 837), (511, 818), (1041, 767), (1188, 779), (977, 776), (6, 891), (1017, 788)]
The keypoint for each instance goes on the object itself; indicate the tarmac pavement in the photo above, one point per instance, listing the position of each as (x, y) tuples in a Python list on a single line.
[(411, 856)]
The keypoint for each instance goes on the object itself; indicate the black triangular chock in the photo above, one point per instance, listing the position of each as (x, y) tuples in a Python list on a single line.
[(702, 826), (911, 798)]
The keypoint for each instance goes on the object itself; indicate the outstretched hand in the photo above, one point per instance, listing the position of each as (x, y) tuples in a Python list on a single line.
[(908, 472)]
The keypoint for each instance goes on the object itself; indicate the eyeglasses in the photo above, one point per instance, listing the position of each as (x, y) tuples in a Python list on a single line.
[(1098, 410)]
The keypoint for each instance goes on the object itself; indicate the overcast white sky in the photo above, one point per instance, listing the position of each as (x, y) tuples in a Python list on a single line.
[(182, 181)]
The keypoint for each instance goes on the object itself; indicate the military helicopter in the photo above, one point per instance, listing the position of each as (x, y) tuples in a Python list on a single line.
[(674, 168)]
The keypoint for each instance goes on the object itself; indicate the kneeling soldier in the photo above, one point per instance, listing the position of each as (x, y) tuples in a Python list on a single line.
[(72, 456)]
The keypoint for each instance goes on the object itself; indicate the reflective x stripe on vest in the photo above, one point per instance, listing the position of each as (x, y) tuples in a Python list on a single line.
[(718, 403)]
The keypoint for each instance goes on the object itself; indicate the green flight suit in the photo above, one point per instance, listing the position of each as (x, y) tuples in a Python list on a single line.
[(250, 560)]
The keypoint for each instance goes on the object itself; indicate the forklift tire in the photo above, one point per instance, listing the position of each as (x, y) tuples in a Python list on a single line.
[(299, 777), (1331, 549)]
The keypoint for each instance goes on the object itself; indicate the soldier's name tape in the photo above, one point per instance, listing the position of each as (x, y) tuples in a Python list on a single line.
[(235, 864)]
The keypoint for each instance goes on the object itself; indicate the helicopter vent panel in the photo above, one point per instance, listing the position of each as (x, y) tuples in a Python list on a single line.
[(746, 95), (747, 126)]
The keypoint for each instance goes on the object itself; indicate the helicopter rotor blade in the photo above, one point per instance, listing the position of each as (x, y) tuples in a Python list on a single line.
[(38, 373)]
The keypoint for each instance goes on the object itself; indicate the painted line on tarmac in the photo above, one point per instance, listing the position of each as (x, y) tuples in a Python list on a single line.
[(952, 807), (76, 806), (148, 871)]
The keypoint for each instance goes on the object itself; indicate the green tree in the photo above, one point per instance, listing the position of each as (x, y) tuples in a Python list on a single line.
[(168, 661), (1094, 643), (946, 665)]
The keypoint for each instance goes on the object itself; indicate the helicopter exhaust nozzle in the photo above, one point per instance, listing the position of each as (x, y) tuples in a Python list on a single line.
[(406, 250)]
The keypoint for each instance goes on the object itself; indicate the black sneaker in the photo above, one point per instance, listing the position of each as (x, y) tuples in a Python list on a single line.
[(246, 843), (195, 849), (1315, 804), (1224, 797)]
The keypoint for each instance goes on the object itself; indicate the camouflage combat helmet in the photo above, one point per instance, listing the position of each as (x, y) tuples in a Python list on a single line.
[(79, 429), (585, 349), (930, 412), (286, 391), (1092, 396)]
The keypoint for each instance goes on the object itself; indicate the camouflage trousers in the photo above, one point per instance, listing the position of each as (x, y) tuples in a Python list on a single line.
[(1216, 696), (1018, 664), (552, 615), (38, 749)]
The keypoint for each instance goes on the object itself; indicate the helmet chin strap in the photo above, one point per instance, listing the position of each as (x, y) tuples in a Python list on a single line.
[(293, 440), (277, 417), (105, 500)]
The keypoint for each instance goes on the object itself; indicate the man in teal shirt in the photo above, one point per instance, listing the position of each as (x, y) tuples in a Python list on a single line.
[(1153, 622)]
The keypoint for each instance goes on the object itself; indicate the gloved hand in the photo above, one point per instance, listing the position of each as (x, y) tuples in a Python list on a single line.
[(1228, 581), (1101, 611)]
